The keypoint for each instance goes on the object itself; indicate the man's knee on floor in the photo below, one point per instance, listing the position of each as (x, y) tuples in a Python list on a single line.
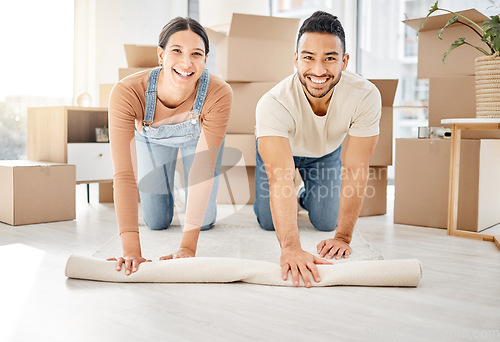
[(325, 225), (263, 215), (266, 225), (325, 228)]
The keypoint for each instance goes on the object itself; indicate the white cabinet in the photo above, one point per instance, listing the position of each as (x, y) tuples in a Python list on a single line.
[(65, 134), (92, 160)]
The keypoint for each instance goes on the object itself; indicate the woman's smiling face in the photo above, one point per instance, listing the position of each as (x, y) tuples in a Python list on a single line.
[(183, 58)]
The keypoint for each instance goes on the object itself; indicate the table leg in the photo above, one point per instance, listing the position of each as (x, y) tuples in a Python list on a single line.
[(454, 177)]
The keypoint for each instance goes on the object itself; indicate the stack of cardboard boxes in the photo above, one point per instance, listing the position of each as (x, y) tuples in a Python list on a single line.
[(252, 61), (376, 191), (422, 165), (139, 58)]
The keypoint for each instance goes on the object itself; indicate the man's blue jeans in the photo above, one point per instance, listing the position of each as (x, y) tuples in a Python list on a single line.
[(322, 181)]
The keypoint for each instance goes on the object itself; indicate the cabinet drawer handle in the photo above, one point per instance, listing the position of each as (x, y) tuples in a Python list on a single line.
[(100, 154)]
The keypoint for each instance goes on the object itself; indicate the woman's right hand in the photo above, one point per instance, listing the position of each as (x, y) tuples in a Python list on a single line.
[(131, 263), (183, 252)]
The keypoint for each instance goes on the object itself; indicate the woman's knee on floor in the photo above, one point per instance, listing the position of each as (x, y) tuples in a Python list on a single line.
[(158, 222), (207, 226)]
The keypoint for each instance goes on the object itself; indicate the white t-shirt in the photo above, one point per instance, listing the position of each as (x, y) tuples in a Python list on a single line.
[(284, 111)]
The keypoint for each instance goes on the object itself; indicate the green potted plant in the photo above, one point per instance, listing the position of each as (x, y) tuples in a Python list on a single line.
[(487, 76)]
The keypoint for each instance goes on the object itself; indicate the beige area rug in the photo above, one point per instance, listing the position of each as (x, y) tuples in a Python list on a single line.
[(235, 235), (236, 249)]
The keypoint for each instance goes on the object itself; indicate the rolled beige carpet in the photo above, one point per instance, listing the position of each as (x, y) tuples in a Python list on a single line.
[(404, 273)]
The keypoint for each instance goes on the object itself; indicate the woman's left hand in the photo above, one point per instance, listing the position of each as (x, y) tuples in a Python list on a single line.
[(181, 253)]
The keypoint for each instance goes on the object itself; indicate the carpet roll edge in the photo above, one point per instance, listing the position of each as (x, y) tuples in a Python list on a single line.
[(410, 276)]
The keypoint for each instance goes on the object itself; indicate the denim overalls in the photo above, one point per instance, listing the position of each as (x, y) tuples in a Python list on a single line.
[(157, 149)]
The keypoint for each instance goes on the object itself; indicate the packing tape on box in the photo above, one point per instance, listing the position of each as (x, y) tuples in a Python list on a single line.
[(402, 273)]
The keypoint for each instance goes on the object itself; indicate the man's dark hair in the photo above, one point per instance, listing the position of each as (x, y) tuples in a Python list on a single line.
[(182, 24), (323, 22)]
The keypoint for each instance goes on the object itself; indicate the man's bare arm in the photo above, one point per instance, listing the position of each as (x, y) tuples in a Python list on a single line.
[(280, 169)]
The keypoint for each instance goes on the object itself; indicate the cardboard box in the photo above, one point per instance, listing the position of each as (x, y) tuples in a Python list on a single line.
[(455, 97), (382, 155), (36, 192), (237, 180), (460, 62), (250, 35), (451, 97), (104, 91), (375, 202), (106, 192), (124, 72), (239, 149), (141, 56), (245, 98), (236, 185), (422, 182)]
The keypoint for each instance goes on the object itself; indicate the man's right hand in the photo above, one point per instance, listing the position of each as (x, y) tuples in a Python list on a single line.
[(298, 261), (131, 263)]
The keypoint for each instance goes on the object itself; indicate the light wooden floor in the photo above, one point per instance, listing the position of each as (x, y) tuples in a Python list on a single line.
[(458, 300)]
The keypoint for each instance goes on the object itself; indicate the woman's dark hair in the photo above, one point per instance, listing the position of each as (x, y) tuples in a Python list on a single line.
[(323, 22), (182, 24)]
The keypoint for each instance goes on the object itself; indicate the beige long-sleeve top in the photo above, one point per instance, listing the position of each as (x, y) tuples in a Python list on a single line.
[(126, 112)]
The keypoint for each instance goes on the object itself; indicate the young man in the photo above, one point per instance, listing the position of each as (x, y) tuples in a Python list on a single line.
[(301, 123)]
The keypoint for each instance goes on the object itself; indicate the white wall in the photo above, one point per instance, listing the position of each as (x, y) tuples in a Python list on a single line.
[(101, 29), (218, 13)]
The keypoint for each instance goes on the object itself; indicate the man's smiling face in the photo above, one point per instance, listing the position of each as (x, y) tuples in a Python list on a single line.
[(320, 60)]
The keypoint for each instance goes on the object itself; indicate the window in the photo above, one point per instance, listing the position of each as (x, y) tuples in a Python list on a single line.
[(36, 65)]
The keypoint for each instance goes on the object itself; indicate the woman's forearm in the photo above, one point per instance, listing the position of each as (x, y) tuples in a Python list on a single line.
[(131, 244), (190, 239)]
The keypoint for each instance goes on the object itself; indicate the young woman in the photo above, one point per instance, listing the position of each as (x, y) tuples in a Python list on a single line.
[(152, 115)]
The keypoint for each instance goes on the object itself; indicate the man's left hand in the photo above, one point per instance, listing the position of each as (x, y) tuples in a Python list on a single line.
[(331, 247)]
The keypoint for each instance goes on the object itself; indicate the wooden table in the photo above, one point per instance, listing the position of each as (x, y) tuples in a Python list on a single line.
[(457, 125)]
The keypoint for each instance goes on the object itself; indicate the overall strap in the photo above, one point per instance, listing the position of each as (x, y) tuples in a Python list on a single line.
[(151, 97), (202, 92)]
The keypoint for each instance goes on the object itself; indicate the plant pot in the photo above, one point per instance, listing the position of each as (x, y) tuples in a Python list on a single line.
[(488, 86)]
